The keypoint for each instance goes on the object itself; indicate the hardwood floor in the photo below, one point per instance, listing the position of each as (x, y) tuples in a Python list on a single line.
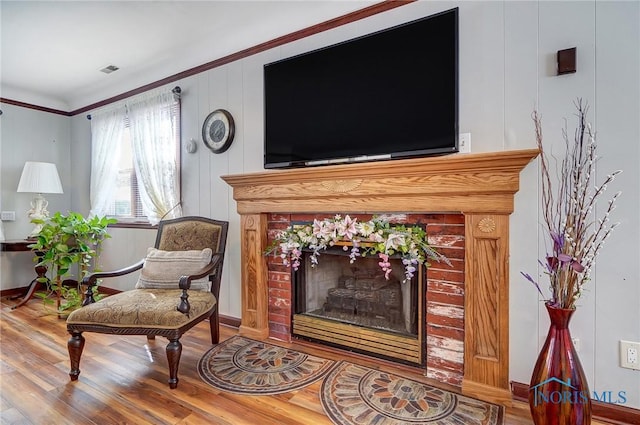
[(123, 380)]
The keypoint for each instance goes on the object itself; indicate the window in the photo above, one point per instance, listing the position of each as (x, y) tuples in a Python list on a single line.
[(135, 159), (125, 203)]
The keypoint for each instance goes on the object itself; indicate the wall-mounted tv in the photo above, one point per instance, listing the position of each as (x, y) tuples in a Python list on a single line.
[(390, 94)]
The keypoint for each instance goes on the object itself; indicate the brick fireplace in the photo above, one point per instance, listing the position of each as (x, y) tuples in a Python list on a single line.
[(438, 346), (477, 187)]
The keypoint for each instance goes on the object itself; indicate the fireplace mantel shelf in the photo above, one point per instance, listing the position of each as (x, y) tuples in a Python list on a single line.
[(483, 182), (481, 186)]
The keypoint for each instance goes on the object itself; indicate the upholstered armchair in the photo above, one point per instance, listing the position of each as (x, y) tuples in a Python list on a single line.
[(178, 288)]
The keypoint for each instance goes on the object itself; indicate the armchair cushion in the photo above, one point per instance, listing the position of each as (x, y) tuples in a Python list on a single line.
[(163, 269), (143, 308)]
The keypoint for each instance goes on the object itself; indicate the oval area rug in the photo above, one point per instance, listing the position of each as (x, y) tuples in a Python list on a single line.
[(245, 366), (357, 395)]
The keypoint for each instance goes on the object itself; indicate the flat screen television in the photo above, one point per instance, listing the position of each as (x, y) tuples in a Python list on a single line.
[(390, 94)]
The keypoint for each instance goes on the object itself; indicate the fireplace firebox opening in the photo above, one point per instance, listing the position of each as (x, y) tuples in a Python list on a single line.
[(354, 306)]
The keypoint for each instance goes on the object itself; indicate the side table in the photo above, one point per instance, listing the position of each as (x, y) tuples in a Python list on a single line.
[(22, 245)]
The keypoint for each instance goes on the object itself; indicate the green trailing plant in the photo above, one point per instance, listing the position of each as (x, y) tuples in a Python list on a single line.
[(68, 243)]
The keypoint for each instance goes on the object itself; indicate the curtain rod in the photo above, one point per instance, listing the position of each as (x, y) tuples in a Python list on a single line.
[(177, 91)]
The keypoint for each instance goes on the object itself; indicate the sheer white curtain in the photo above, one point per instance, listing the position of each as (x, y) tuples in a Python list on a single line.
[(107, 127), (154, 129)]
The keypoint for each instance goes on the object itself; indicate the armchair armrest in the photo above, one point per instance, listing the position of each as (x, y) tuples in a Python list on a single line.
[(91, 280), (185, 282), (93, 277)]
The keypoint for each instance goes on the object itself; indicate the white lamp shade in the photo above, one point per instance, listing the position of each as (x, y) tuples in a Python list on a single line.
[(40, 177)]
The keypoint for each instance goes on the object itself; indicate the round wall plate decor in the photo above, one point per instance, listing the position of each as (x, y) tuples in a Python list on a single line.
[(218, 130)]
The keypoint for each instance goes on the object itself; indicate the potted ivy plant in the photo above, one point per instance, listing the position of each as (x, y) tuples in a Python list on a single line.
[(68, 243)]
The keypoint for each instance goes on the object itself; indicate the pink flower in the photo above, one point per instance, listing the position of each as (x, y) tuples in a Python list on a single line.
[(376, 237), (347, 227), (323, 230), (385, 265)]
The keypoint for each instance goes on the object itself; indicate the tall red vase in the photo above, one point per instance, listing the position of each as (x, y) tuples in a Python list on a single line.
[(559, 392)]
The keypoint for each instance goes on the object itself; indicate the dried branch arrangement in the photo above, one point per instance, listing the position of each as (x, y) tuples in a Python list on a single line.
[(569, 200)]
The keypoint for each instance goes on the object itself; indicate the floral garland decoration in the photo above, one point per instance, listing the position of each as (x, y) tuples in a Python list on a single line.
[(376, 236), (568, 206)]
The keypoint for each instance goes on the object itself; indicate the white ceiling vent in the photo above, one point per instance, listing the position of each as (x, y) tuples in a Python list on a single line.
[(109, 69)]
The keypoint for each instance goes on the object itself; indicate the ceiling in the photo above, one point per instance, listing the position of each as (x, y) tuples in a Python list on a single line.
[(52, 51)]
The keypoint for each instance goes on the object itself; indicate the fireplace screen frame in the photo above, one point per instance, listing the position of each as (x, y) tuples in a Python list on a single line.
[(403, 347)]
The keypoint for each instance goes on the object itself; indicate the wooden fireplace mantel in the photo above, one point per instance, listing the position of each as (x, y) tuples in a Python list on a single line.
[(481, 186)]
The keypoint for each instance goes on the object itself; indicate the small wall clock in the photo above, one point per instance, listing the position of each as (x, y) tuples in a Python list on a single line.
[(218, 130)]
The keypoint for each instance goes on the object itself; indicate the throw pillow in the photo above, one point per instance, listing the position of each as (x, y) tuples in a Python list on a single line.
[(163, 269)]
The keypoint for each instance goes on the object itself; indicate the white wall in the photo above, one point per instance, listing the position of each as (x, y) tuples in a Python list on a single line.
[(615, 297), (29, 135), (507, 60)]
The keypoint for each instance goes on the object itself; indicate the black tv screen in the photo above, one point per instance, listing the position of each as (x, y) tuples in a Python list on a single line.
[(390, 94)]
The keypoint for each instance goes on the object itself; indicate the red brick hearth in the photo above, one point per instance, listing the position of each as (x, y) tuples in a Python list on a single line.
[(479, 187), (444, 290)]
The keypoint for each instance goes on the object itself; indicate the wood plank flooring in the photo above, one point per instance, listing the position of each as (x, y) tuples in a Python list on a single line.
[(123, 380)]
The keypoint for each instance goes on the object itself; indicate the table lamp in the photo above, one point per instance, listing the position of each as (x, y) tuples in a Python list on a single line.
[(39, 178)]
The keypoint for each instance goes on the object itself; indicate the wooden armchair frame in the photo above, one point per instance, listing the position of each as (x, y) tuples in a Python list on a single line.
[(169, 239)]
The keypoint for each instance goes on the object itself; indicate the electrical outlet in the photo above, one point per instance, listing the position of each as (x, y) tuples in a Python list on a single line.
[(8, 216), (629, 355), (464, 143)]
